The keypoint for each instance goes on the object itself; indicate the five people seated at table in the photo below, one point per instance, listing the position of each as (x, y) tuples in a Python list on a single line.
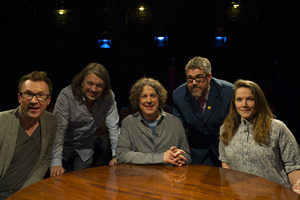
[(213, 122)]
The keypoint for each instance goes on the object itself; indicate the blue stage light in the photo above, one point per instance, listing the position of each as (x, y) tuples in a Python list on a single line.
[(220, 41), (161, 41), (104, 43)]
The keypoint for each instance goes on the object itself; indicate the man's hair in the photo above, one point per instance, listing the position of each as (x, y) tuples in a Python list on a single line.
[(36, 76), (199, 62), (137, 89), (92, 68)]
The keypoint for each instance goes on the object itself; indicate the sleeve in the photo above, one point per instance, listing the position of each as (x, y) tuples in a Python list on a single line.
[(222, 156), (125, 152), (183, 143), (176, 111), (62, 112), (112, 124), (289, 149)]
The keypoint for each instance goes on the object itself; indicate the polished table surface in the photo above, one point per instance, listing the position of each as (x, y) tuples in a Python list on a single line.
[(155, 182)]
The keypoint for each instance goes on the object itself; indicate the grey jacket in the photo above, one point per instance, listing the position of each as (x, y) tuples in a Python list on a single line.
[(9, 126), (136, 145)]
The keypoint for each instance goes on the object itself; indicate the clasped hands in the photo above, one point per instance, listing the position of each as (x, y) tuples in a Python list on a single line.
[(174, 156)]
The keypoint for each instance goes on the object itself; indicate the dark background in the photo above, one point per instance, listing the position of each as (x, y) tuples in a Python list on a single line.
[(262, 44)]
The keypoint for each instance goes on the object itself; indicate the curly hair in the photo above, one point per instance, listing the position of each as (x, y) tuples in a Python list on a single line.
[(261, 121), (137, 89)]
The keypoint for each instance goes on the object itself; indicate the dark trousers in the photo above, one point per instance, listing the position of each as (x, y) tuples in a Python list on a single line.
[(102, 150), (205, 157), (75, 163), (102, 155)]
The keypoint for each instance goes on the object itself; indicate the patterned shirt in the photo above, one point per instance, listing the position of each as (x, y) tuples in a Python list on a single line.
[(273, 161)]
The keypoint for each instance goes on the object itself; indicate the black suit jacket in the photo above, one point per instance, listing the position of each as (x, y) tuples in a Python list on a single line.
[(203, 129)]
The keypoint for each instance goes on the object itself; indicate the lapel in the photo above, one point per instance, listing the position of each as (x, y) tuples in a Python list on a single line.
[(11, 128), (211, 104), (214, 99), (194, 105)]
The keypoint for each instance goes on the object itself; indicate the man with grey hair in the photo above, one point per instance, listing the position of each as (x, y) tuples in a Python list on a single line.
[(201, 104)]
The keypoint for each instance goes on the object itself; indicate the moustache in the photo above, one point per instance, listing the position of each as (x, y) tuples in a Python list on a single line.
[(196, 87)]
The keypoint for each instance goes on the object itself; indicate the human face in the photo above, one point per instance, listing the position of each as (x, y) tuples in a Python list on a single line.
[(92, 87), (149, 103), (198, 89), (32, 109), (245, 103)]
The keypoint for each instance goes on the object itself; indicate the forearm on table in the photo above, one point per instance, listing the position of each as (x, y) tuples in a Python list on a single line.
[(226, 165), (294, 177)]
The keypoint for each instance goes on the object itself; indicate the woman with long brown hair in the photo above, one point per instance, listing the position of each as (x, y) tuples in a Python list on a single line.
[(253, 141)]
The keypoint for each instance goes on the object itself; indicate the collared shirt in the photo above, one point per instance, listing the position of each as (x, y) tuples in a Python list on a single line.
[(77, 125), (206, 96), (273, 161), (136, 144)]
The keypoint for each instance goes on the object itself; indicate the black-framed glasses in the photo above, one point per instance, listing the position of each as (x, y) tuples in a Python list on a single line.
[(30, 95), (198, 79)]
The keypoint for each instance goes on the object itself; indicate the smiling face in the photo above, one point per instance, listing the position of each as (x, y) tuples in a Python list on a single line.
[(32, 109), (92, 87), (245, 103), (149, 103)]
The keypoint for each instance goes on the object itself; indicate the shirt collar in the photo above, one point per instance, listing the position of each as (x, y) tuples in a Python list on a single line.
[(163, 114)]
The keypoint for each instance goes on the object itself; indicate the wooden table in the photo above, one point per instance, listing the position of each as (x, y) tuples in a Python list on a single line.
[(155, 182)]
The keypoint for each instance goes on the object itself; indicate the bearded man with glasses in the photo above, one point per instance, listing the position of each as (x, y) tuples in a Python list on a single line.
[(26, 135), (201, 104)]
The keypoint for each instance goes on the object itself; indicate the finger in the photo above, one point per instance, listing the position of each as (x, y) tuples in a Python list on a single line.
[(173, 148), (178, 153), (182, 158)]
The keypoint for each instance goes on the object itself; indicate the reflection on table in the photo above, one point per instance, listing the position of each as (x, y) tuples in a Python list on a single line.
[(155, 182)]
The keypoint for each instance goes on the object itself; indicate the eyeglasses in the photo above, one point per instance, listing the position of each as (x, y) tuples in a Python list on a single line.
[(29, 95), (198, 79)]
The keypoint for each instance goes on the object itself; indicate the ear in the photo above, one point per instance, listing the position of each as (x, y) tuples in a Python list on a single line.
[(49, 100), (19, 97), (209, 76)]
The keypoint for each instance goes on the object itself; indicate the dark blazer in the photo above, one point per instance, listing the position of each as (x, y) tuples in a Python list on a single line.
[(9, 127), (203, 129)]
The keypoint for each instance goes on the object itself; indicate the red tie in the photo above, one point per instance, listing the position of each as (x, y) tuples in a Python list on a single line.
[(202, 102)]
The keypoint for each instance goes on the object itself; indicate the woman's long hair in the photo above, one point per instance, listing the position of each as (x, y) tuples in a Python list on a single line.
[(261, 120)]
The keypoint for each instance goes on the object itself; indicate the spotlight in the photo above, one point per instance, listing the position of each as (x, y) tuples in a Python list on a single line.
[(104, 43), (161, 41), (219, 41)]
